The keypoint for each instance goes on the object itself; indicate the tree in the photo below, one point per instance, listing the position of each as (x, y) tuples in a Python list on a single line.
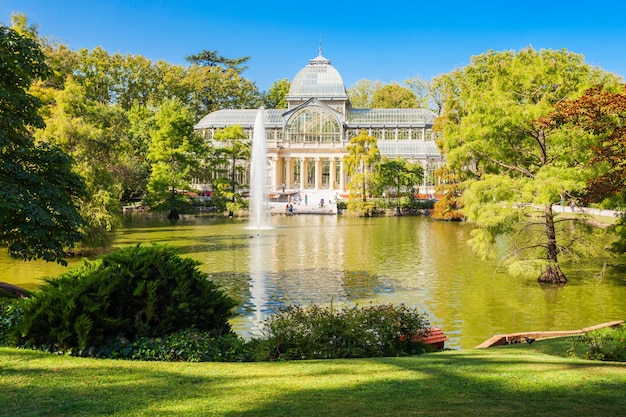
[(176, 153), (91, 132), (212, 59), (393, 96), (521, 167), (218, 89), (361, 163), (19, 23), (38, 190), (422, 90), (232, 147), (600, 111), (400, 175), (275, 98), (361, 93), (450, 205)]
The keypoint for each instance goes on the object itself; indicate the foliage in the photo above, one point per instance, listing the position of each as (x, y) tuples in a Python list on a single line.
[(132, 292), (361, 208), (607, 344), (214, 88), (361, 93), (213, 59), (361, 163), (393, 96), (227, 160), (413, 93), (38, 191), (399, 176), (10, 312), (492, 127), (275, 97), (450, 205), (91, 133), (316, 332), (176, 153), (185, 345), (601, 111)]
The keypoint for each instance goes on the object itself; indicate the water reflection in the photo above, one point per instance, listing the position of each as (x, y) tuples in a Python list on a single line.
[(416, 261)]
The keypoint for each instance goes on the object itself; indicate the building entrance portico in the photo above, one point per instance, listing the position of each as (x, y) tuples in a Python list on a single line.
[(308, 172)]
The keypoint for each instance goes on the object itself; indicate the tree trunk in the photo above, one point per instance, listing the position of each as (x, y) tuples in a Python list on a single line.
[(552, 272)]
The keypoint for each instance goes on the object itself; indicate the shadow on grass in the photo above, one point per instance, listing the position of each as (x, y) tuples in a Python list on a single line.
[(449, 384), (461, 385)]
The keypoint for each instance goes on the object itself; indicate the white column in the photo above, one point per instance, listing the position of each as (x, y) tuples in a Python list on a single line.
[(288, 179), (303, 173), (331, 185), (275, 173), (318, 172)]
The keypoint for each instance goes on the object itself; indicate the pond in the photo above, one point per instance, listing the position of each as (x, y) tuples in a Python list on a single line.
[(341, 260)]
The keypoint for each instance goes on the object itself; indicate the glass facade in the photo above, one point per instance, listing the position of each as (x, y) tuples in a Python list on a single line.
[(313, 124), (307, 141)]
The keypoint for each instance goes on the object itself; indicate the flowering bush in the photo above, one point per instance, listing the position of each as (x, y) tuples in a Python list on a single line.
[(316, 332)]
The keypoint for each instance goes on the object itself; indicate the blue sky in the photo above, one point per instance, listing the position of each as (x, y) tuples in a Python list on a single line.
[(382, 40)]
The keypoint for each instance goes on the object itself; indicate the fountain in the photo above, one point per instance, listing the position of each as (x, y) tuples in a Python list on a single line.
[(258, 175)]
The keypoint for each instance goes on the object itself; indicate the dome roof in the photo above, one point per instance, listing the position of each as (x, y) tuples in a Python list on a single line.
[(318, 79)]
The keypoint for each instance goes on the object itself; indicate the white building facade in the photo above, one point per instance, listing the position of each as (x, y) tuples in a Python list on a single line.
[(306, 143)]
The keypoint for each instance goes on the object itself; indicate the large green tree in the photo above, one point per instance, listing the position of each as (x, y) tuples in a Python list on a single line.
[(91, 132), (521, 167), (176, 153), (393, 96), (399, 175), (38, 190)]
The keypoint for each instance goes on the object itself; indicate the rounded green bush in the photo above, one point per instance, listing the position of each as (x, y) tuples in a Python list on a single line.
[(132, 292), (316, 332)]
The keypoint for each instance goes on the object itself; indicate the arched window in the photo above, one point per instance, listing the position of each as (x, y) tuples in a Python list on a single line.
[(313, 124)]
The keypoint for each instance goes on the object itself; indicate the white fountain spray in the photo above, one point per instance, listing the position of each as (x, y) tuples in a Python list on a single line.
[(258, 220), (258, 175)]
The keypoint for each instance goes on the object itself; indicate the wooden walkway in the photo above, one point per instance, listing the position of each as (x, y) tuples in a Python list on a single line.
[(506, 339)]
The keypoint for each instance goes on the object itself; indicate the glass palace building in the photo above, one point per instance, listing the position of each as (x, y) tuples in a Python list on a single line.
[(307, 141)]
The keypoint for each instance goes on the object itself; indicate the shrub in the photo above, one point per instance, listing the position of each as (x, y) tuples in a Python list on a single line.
[(607, 344), (132, 292), (9, 315), (350, 332), (186, 345)]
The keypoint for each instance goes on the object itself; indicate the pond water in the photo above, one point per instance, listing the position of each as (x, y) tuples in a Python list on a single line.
[(344, 260)]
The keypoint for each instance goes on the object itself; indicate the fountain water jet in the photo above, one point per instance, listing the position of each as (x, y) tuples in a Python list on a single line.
[(258, 175)]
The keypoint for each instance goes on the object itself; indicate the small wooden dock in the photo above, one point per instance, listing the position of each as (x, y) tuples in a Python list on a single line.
[(506, 339)]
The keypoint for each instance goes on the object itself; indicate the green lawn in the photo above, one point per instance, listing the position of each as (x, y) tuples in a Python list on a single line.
[(480, 382)]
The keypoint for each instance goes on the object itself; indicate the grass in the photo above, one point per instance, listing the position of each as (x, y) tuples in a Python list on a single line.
[(516, 380)]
